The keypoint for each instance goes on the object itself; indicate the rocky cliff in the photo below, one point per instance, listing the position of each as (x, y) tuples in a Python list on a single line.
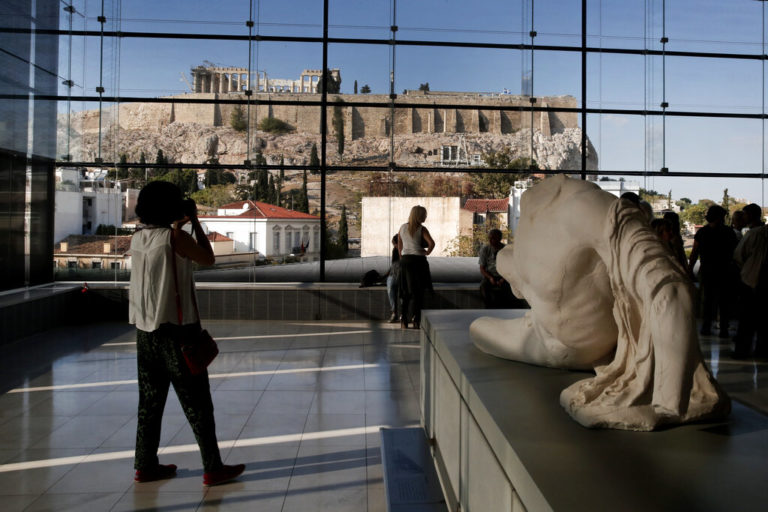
[(194, 143)]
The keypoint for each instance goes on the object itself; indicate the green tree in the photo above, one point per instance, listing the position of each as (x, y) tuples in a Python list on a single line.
[(344, 231), (355, 86), (160, 160), (314, 161), (424, 87), (212, 177), (142, 161), (365, 89), (242, 192), (303, 199), (122, 170), (338, 126), (726, 204), (497, 185), (214, 195), (185, 179), (237, 119), (695, 214), (272, 191), (683, 203)]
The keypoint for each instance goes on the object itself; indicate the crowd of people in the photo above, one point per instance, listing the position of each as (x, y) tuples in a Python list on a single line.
[(733, 287)]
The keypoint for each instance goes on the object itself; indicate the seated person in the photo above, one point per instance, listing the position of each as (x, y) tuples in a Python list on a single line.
[(495, 289)]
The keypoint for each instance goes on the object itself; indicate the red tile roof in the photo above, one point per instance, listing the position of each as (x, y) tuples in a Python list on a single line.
[(94, 244), (215, 236), (487, 205), (259, 210)]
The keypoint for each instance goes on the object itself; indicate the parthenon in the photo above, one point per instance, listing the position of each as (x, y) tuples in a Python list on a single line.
[(210, 79)]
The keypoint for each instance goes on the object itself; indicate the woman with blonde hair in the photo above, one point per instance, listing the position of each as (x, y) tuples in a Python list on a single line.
[(414, 244)]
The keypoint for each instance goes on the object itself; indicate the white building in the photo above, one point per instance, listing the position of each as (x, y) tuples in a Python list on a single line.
[(618, 188), (84, 201), (265, 228), (383, 216)]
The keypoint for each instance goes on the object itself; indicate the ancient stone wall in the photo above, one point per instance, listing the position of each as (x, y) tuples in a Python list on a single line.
[(435, 116)]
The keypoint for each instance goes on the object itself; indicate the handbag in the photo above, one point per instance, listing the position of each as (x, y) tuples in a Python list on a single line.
[(197, 345)]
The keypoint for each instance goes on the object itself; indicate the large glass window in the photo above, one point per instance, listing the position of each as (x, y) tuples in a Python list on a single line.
[(321, 128)]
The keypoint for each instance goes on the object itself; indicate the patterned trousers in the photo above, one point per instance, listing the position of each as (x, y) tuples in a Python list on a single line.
[(161, 363)]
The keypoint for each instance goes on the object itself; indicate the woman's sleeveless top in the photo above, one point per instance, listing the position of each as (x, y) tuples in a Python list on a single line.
[(411, 244), (152, 293)]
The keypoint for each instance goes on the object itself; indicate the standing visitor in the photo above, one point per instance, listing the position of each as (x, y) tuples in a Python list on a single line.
[(414, 244), (393, 282), (161, 293), (715, 243), (751, 255)]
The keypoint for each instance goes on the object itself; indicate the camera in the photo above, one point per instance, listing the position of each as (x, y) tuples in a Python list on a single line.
[(188, 208)]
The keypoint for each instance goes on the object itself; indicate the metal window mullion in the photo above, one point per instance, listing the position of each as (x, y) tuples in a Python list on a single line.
[(69, 83), (664, 103), (100, 88), (584, 89), (532, 35), (323, 142)]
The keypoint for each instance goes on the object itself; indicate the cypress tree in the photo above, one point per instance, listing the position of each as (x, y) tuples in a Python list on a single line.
[(344, 231), (314, 161), (304, 195)]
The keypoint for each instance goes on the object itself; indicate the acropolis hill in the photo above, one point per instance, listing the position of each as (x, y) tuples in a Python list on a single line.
[(192, 132)]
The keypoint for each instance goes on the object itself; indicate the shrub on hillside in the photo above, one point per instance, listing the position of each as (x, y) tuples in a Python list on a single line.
[(274, 125)]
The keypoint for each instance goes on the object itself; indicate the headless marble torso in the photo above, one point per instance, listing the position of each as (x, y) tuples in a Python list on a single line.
[(605, 294), (562, 276)]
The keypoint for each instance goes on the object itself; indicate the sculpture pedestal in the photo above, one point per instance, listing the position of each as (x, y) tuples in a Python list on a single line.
[(502, 441)]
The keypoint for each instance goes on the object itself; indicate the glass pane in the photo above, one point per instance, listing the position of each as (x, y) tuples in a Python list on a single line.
[(347, 19), (557, 23), (474, 22), (364, 65), (280, 18), (616, 81), (557, 74), (615, 24), (178, 17), (722, 85), (386, 204), (175, 68), (462, 130), (714, 145), (366, 132), (484, 71), (713, 26), (619, 141)]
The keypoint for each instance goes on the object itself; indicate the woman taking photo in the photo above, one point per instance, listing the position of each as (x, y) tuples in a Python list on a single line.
[(161, 293), (414, 244)]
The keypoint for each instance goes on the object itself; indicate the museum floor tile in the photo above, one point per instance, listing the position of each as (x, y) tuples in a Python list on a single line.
[(300, 403)]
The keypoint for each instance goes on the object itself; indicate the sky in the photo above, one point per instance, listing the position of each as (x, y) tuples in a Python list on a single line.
[(154, 67)]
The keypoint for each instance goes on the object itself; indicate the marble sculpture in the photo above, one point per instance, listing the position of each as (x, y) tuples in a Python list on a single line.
[(605, 295)]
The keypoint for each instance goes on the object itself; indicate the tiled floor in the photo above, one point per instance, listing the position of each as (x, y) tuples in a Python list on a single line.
[(299, 403)]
